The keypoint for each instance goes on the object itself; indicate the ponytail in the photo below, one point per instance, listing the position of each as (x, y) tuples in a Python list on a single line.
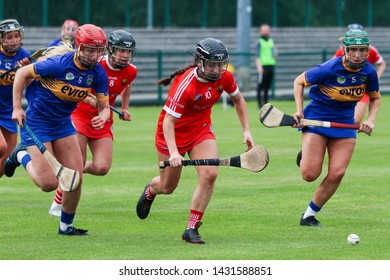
[(167, 80)]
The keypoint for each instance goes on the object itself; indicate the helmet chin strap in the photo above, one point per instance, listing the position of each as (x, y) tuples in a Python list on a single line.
[(14, 50), (355, 65), (83, 62), (113, 61)]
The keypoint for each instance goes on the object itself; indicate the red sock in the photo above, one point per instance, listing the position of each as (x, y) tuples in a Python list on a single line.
[(194, 219), (58, 197), (149, 195)]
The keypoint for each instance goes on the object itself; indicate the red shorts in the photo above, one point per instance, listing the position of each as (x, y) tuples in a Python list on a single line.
[(87, 129), (365, 99), (205, 134)]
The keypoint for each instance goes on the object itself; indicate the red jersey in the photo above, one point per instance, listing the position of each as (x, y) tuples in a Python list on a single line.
[(374, 56), (190, 100), (118, 80)]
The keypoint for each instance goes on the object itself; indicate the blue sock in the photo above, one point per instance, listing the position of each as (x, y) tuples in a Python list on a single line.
[(66, 220), (26, 159), (314, 207)]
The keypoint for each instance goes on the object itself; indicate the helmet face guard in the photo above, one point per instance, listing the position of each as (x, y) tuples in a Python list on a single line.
[(68, 31), (11, 44), (213, 70), (355, 26), (121, 48), (358, 42), (89, 55), (212, 58), (90, 45)]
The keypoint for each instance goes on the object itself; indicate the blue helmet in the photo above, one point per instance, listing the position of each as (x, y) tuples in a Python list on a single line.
[(355, 26)]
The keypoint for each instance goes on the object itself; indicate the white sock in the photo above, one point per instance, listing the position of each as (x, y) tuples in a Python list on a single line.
[(20, 155), (64, 226), (309, 212), (55, 204)]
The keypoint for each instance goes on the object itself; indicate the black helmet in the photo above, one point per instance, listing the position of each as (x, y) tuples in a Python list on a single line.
[(123, 40), (8, 25), (211, 50)]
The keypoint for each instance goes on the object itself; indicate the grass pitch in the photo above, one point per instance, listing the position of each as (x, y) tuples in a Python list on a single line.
[(251, 216)]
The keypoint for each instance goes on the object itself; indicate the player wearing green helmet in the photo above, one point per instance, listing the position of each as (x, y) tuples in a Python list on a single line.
[(356, 47), (336, 86)]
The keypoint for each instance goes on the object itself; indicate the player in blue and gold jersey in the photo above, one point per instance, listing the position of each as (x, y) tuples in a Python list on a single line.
[(336, 86), (68, 34), (11, 53), (59, 83)]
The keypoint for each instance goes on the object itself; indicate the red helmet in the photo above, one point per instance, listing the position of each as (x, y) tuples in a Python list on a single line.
[(69, 28), (89, 38), (91, 35)]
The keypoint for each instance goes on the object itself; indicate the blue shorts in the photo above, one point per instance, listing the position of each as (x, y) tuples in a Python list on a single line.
[(9, 125), (46, 130), (331, 113)]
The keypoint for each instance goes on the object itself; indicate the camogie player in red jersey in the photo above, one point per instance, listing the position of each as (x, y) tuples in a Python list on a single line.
[(184, 126), (374, 58), (120, 73)]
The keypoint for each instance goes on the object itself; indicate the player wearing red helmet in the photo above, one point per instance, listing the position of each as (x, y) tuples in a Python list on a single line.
[(90, 44), (121, 73), (68, 33), (58, 84)]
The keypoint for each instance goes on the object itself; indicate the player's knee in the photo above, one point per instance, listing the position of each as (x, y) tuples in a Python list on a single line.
[(167, 187), (101, 170), (209, 176), (46, 184), (48, 187), (336, 176), (310, 175)]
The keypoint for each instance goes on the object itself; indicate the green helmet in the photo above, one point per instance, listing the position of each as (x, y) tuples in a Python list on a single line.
[(356, 39)]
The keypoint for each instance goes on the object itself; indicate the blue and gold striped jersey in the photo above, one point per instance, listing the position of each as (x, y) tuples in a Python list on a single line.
[(336, 88), (6, 82), (62, 82), (334, 80)]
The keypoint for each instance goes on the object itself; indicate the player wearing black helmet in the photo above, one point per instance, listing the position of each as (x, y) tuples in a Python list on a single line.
[(185, 126), (121, 48), (11, 26), (11, 55), (212, 58)]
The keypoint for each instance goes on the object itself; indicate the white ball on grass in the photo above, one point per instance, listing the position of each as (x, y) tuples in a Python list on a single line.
[(353, 239)]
